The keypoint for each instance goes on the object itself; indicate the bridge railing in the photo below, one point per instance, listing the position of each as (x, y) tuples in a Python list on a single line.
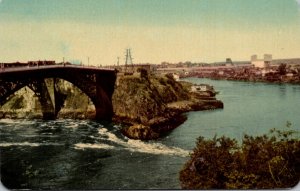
[(41, 67)]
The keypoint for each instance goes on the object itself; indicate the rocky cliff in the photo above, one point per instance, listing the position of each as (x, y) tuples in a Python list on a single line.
[(152, 105)]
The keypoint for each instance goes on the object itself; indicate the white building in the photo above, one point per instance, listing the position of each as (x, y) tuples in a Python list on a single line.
[(264, 72), (221, 73), (176, 77), (261, 63), (196, 88)]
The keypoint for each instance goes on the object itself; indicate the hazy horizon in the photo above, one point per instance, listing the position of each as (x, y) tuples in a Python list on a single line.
[(156, 30)]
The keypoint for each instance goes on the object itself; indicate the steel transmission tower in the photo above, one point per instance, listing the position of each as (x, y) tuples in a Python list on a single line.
[(128, 61)]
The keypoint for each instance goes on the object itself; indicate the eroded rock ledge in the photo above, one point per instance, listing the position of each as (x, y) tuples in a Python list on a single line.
[(152, 105)]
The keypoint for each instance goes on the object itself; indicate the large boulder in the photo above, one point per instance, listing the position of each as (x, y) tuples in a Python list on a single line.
[(139, 131)]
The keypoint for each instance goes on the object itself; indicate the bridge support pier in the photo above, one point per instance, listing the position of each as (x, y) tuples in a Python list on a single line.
[(41, 90), (103, 108), (103, 103), (51, 100)]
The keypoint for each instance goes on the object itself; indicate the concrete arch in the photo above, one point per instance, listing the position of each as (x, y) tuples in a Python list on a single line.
[(94, 87), (97, 85)]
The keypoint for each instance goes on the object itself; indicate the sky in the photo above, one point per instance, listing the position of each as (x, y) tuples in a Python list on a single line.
[(155, 30)]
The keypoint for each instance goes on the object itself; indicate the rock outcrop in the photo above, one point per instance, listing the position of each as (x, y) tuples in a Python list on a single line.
[(152, 105)]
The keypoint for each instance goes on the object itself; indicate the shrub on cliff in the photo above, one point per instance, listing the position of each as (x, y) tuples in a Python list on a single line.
[(144, 98), (168, 89), (267, 161), (135, 99)]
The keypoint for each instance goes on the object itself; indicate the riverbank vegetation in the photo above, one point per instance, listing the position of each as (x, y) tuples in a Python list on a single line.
[(262, 162)]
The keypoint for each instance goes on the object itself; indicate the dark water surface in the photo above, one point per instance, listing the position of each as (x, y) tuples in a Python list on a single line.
[(83, 154)]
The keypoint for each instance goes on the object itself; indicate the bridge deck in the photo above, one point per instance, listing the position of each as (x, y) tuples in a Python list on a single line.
[(31, 68)]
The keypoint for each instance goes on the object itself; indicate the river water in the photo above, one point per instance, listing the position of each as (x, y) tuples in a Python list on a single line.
[(84, 154)]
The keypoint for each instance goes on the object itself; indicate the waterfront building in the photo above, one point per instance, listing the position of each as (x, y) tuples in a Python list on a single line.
[(289, 75), (261, 63), (201, 87), (229, 62), (221, 72), (264, 72)]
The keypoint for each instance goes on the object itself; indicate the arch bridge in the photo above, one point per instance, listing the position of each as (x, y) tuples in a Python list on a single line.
[(96, 83)]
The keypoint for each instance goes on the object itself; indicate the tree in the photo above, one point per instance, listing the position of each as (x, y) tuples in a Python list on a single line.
[(298, 71), (261, 162), (282, 69)]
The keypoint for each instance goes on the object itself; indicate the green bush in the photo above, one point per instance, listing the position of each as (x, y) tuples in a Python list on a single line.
[(262, 162)]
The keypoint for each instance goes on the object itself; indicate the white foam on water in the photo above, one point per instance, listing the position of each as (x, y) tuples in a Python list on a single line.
[(91, 125), (72, 125), (26, 144), (41, 135), (111, 137), (102, 131), (19, 144), (16, 121), (83, 146), (144, 147), (84, 123), (156, 148), (8, 121)]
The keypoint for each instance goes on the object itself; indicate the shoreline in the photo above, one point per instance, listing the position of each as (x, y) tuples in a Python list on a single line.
[(255, 80), (156, 127), (272, 78)]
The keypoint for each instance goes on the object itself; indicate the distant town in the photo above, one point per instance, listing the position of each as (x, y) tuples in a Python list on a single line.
[(263, 69)]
